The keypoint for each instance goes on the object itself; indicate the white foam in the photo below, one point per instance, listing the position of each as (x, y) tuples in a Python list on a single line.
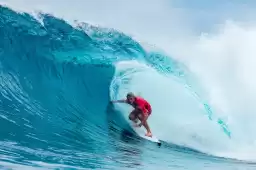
[(177, 116)]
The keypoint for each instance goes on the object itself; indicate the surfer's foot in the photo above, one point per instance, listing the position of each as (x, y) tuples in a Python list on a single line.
[(149, 134)]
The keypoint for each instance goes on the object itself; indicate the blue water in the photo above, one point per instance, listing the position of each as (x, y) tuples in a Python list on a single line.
[(56, 81)]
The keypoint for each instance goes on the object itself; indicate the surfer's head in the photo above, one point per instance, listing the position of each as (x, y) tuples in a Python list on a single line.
[(130, 97)]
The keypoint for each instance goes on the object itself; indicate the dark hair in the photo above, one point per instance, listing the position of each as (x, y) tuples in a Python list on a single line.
[(130, 94)]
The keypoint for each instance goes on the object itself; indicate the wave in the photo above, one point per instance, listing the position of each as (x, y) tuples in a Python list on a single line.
[(57, 80)]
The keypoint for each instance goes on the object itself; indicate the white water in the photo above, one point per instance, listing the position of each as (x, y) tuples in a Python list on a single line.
[(177, 116), (225, 64)]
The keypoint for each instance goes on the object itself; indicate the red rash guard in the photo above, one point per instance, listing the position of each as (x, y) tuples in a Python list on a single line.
[(142, 103)]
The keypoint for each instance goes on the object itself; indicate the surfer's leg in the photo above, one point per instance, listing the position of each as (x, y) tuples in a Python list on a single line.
[(144, 117), (133, 116)]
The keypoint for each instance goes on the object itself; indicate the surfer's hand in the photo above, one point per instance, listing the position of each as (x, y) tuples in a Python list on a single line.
[(118, 101)]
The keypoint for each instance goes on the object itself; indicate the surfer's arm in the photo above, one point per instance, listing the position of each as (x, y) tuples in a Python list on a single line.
[(119, 101), (148, 107)]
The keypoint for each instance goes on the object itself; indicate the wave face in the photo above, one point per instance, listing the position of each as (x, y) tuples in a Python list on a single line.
[(56, 83)]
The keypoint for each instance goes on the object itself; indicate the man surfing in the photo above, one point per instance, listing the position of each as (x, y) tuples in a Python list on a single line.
[(142, 110)]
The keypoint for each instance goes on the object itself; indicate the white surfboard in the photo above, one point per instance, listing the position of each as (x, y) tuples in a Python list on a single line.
[(142, 133), (153, 138)]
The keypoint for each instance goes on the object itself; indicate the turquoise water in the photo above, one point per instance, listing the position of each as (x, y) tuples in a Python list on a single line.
[(56, 83)]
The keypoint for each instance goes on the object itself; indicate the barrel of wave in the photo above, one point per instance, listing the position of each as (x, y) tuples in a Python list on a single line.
[(177, 117)]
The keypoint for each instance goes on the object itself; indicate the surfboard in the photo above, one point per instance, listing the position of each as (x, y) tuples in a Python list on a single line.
[(152, 139), (141, 133)]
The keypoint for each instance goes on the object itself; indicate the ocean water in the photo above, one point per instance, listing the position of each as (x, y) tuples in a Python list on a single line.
[(56, 84)]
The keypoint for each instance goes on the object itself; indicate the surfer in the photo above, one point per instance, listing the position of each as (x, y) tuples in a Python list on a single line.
[(142, 110)]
